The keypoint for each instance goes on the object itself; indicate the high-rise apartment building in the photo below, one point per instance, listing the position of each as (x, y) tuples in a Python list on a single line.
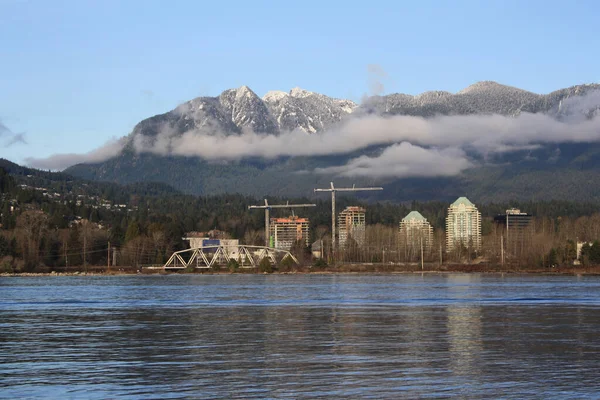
[(351, 224), (415, 230), (463, 225)]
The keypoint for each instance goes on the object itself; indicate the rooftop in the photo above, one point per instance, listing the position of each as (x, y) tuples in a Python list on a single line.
[(463, 201), (414, 215), (354, 209), (294, 219)]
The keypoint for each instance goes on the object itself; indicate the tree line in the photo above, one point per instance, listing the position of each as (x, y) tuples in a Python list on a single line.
[(39, 232)]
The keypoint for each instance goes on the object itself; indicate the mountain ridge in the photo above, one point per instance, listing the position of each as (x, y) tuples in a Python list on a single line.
[(235, 110), (238, 111)]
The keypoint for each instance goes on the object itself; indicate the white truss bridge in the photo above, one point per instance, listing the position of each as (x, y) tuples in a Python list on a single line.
[(210, 256)]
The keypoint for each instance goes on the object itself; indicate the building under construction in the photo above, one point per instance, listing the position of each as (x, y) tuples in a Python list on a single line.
[(351, 224), (284, 232)]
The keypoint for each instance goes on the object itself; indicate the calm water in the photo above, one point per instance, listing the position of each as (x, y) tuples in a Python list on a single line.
[(309, 336)]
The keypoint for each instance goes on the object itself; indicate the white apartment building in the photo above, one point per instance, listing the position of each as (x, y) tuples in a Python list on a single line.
[(463, 225), (414, 230)]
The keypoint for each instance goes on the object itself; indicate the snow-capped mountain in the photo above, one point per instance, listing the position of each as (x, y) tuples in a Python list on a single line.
[(485, 97), (236, 110), (515, 175), (308, 111)]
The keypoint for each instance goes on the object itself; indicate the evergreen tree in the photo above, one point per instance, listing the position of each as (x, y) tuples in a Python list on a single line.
[(133, 231), (265, 265), (4, 247), (552, 259), (594, 253)]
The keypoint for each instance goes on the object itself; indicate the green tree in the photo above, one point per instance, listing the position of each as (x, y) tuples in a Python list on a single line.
[(265, 265), (116, 235), (320, 263), (594, 253), (4, 247), (6, 216), (133, 231), (233, 265), (552, 258), (287, 264), (585, 253), (570, 252)]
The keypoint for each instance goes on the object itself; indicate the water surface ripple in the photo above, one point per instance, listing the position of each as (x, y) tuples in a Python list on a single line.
[(300, 336)]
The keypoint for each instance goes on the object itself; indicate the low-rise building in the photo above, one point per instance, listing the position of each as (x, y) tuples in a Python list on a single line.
[(210, 243)]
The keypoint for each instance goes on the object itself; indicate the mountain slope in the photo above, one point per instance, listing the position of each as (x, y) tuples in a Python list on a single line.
[(480, 98), (553, 171), (235, 110)]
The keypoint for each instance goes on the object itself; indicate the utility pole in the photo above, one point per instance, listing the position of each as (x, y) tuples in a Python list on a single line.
[(502, 249), (85, 249), (422, 265), (507, 231), (267, 207), (333, 189), (108, 257)]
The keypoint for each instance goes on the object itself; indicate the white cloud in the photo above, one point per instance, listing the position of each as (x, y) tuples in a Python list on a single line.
[(58, 162), (484, 133), (415, 146), (404, 160)]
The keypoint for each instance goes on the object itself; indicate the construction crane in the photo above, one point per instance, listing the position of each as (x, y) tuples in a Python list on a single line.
[(333, 189), (267, 207)]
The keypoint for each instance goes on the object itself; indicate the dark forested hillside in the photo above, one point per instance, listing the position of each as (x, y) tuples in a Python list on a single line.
[(52, 220), (552, 172)]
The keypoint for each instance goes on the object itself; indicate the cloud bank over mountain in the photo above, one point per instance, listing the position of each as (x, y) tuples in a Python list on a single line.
[(58, 162), (410, 145), (404, 160)]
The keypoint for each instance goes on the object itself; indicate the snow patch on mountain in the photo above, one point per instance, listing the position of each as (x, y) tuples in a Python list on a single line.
[(300, 93), (237, 110), (274, 96)]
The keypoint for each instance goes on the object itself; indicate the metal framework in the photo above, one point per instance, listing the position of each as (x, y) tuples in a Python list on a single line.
[(209, 256), (267, 207), (333, 189)]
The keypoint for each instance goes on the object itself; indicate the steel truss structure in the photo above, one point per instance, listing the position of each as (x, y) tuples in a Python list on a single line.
[(209, 256)]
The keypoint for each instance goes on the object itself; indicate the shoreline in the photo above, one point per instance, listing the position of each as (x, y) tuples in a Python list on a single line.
[(590, 271)]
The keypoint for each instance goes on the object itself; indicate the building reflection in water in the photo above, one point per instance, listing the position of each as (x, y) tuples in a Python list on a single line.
[(464, 326)]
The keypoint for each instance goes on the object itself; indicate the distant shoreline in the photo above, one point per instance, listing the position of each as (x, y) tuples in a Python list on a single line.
[(458, 269)]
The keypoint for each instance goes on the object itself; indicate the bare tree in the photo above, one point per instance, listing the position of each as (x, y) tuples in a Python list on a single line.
[(31, 227)]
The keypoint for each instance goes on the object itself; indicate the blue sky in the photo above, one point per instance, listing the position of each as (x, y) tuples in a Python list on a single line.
[(74, 74)]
